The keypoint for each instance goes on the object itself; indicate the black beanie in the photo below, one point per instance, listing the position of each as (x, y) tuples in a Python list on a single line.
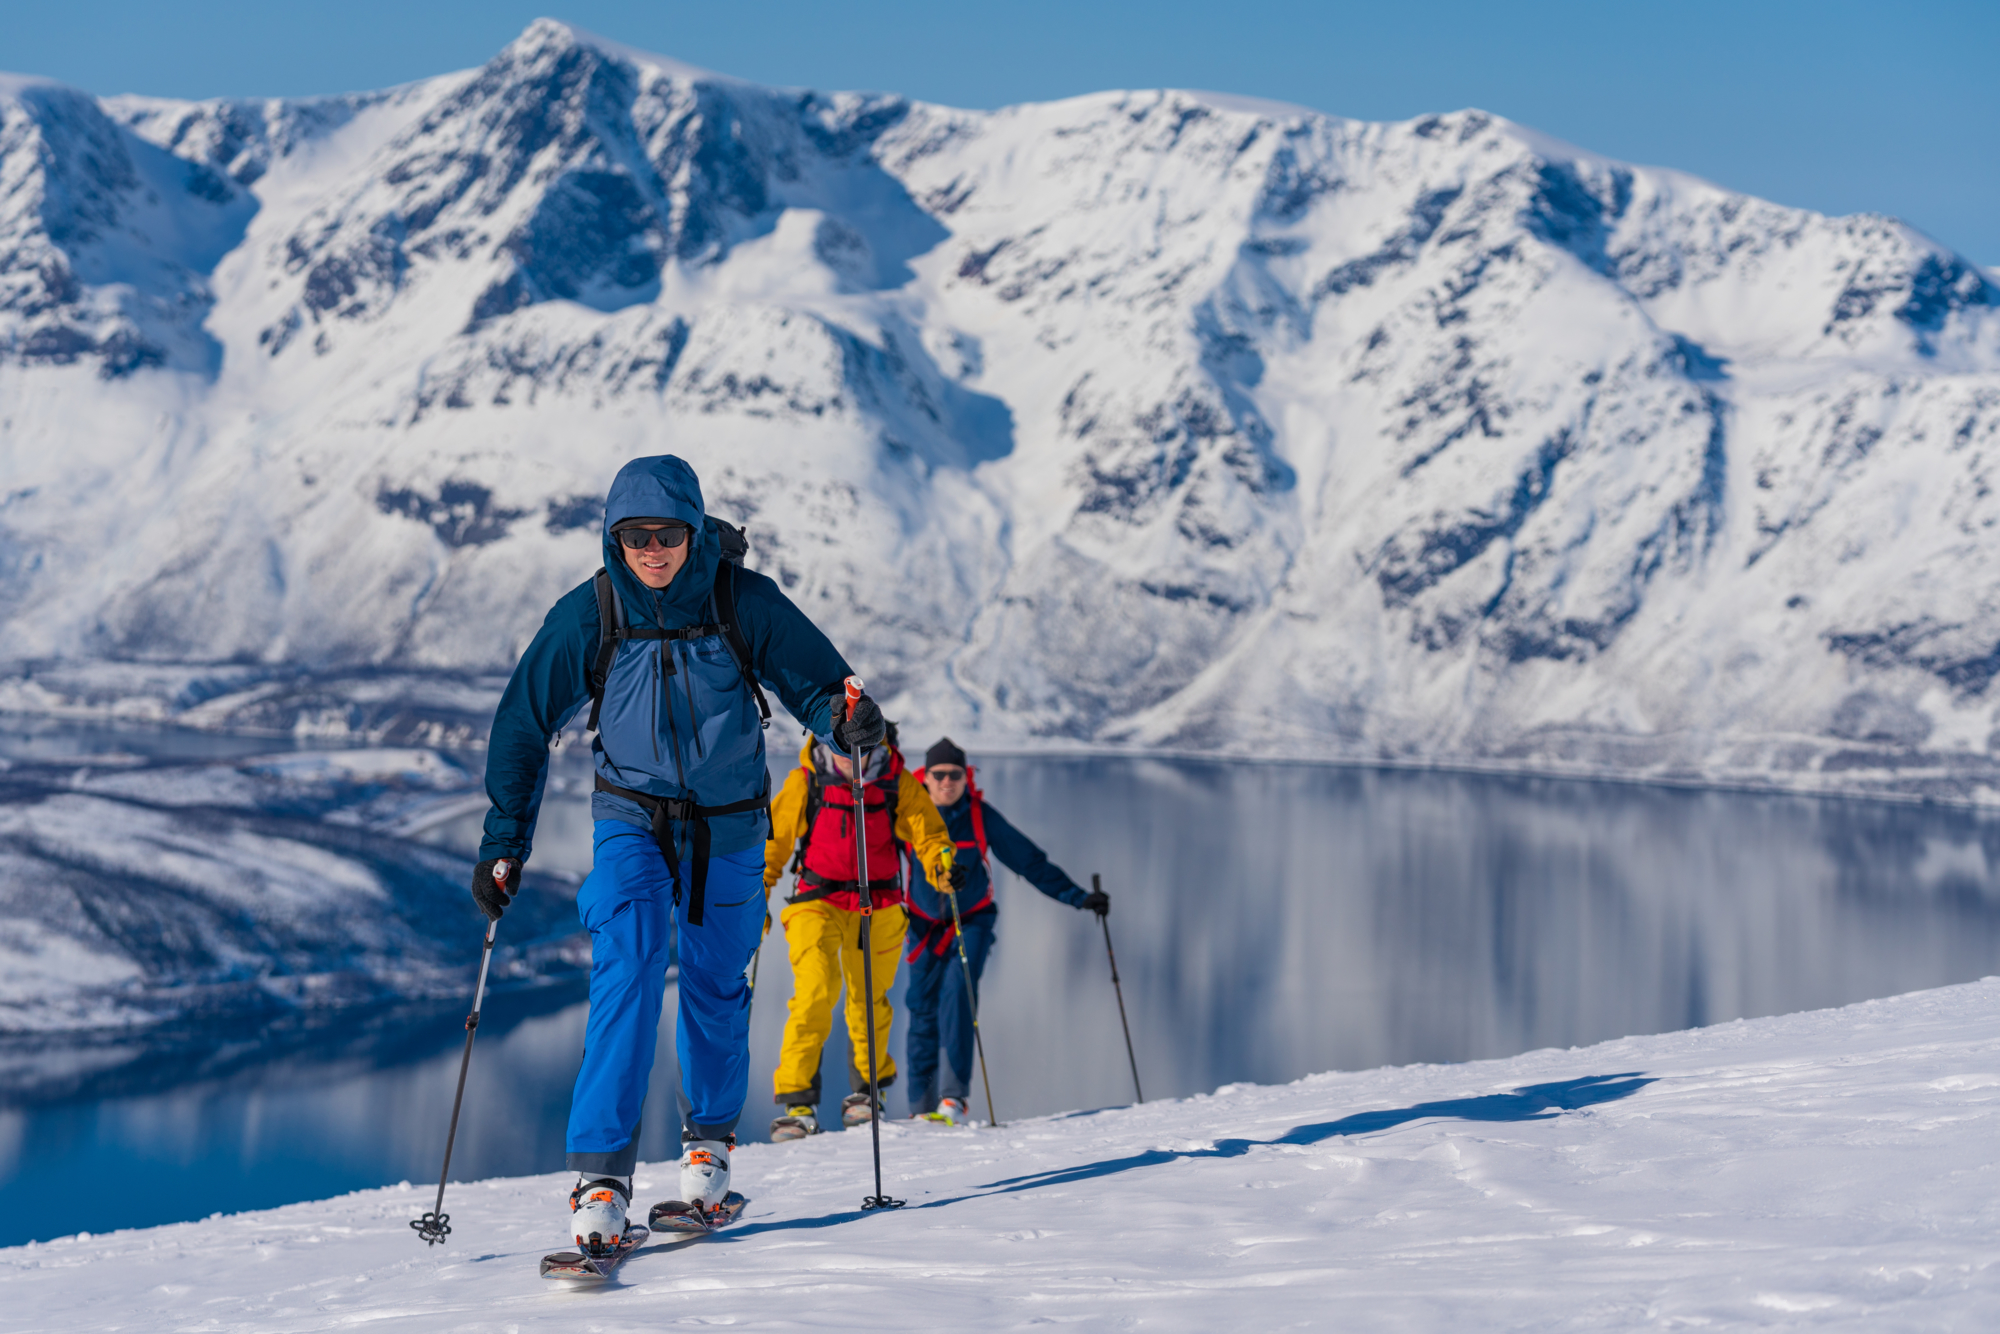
[(945, 751)]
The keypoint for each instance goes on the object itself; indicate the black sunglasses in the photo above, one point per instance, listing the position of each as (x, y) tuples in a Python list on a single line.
[(638, 539), (945, 772)]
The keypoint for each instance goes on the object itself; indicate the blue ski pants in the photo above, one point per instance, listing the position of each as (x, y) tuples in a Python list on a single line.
[(941, 1014), (627, 902)]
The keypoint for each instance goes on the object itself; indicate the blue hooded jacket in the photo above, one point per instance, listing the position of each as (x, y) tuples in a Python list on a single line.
[(678, 720), (1012, 848)]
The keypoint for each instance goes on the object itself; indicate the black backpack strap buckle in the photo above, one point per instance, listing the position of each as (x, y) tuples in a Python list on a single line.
[(665, 811)]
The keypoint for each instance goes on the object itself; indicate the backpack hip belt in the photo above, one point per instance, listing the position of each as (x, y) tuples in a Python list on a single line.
[(665, 810), (939, 932), (813, 886)]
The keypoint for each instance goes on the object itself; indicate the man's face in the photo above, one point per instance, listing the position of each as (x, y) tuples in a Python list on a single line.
[(946, 783), (655, 565)]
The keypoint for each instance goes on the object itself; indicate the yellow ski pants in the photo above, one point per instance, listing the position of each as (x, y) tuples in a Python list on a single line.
[(825, 945)]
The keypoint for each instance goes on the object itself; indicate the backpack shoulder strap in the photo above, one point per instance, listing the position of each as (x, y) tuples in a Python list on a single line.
[(815, 797), (610, 616), (978, 816), (723, 598)]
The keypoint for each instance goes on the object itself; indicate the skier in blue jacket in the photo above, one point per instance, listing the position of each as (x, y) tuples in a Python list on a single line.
[(680, 810), (940, 1009)]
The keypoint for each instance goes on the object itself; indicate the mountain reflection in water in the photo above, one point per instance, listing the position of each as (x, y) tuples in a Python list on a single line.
[(1271, 921)]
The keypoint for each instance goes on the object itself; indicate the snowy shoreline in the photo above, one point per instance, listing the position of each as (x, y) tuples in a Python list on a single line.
[(451, 710), (1981, 798), (1826, 1170)]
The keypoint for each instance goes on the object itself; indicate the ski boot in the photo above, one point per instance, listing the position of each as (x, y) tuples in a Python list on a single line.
[(797, 1122), (597, 1215), (705, 1202), (951, 1112), (705, 1169), (855, 1109), (598, 1226)]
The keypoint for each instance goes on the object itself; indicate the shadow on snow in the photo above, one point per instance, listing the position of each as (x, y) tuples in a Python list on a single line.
[(1531, 1102)]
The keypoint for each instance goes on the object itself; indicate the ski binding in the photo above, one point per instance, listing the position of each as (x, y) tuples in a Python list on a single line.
[(679, 1218), (577, 1267)]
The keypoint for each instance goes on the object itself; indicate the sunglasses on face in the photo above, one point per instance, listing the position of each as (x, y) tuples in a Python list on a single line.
[(945, 774), (638, 539)]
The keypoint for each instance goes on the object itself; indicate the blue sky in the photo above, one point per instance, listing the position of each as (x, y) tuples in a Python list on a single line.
[(1835, 105)]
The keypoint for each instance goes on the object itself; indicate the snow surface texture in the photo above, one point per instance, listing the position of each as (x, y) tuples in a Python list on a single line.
[(1830, 1170), (1157, 419), (136, 894)]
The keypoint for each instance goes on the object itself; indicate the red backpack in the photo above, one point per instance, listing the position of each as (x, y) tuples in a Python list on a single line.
[(824, 861)]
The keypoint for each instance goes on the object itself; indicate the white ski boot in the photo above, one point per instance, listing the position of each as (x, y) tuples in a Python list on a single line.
[(797, 1122), (951, 1112), (705, 1172), (854, 1110), (706, 1202), (597, 1215)]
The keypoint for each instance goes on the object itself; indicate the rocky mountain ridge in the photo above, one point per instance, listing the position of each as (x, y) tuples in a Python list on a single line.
[(1156, 419)]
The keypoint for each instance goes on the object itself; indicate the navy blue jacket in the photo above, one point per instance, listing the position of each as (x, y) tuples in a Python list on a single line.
[(1015, 850), (653, 747)]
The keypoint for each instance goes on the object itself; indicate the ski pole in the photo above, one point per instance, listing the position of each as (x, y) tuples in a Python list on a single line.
[(1104, 920), (878, 1200), (978, 1042), (435, 1226)]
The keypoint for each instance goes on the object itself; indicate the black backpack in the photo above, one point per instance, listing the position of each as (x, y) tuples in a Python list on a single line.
[(612, 626)]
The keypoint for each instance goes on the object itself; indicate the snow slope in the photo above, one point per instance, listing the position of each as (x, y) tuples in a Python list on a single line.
[(1160, 419), (1831, 1170)]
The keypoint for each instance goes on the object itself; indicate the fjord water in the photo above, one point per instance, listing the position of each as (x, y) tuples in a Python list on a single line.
[(1271, 921)]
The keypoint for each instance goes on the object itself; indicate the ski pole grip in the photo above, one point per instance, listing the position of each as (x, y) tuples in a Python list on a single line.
[(854, 689)]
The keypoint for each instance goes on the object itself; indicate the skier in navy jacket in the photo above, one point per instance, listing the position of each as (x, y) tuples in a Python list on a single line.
[(940, 1009), (681, 818)]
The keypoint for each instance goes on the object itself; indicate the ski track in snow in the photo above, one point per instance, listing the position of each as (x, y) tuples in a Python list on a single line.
[(1828, 1170)]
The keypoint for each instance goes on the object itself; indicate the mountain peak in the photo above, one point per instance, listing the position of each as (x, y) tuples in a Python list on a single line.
[(551, 36), (1158, 417), (14, 85)]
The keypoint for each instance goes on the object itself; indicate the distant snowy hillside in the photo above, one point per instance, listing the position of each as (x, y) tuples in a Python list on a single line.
[(1144, 418), (1823, 1171), (134, 894)]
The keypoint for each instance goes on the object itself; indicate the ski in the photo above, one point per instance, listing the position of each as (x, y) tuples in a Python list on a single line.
[(576, 1267), (942, 1119), (680, 1219), (950, 1112)]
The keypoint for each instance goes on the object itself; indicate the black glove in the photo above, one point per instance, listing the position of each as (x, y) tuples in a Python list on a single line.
[(957, 876), (492, 895), (863, 730), (1096, 901)]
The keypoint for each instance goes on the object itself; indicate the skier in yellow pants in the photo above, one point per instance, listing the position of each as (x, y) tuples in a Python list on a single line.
[(814, 813)]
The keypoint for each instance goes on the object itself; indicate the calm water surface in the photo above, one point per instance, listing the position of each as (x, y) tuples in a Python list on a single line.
[(1271, 921)]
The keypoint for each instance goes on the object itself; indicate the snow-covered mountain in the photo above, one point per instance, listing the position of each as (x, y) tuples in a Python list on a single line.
[(1144, 418)]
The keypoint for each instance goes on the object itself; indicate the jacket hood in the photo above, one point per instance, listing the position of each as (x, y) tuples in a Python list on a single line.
[(883, 762), (662, 487)]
